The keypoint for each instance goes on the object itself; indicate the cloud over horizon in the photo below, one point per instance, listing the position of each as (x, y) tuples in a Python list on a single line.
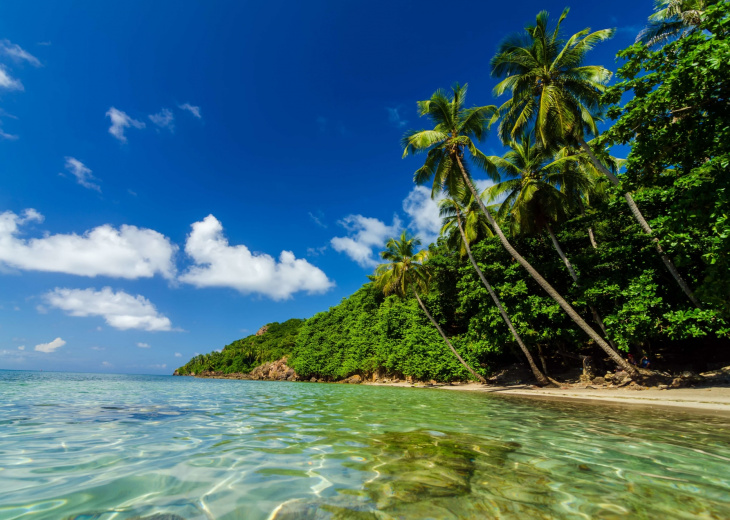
[(51, 346), (219, 264), (127, 252), (119, 309)]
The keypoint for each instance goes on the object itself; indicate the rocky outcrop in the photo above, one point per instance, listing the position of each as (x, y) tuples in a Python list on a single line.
[(263, 330), (274, 371)]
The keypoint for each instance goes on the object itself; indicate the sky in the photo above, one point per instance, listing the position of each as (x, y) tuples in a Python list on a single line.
[(176, 174)]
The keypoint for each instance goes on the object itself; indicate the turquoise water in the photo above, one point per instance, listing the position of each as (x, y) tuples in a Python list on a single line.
[(91, 446)]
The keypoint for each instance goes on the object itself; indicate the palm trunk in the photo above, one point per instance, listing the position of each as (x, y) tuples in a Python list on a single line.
[(642, 222), (438, 327), (541, 379), (590, 229), (543, 283), (593, 239), (596, 317)]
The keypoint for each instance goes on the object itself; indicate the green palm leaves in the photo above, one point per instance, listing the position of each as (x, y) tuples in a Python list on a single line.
[(552, 91), (540, 187), (673, 18), (405, 270), (454, 132)]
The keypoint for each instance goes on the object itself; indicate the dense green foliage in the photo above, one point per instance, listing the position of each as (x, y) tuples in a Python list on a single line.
[(243, 355), (672, 107)]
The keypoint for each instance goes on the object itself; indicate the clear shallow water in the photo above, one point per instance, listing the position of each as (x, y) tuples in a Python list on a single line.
[(91, 446)]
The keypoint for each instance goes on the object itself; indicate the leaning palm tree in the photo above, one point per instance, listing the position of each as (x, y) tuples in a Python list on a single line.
[(470, 226), (406, 272), (455, 129), (556, 94), (540, 189), (672, 19)]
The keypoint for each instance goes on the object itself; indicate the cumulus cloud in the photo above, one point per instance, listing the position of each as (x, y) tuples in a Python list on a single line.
[(8, 82), (120, 121), (423, 212), (177, 354), (50, 347), (128, 252), (119, 309), (219, 264), (192, 109), (364, 233), (82, 173), (106, 364), (143, 345), (21, 347), (163, 119), (17, 53)]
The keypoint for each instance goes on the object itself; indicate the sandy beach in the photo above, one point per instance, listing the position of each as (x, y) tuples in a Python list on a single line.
[(708, 399)]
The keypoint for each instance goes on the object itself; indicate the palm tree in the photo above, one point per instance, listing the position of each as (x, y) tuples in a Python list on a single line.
[(671, 19), (446, 144), (543, 188), (556, 94), (470, 226), (406, 272)]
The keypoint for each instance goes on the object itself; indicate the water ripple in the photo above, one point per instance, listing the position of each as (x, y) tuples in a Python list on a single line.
[(100, 447)]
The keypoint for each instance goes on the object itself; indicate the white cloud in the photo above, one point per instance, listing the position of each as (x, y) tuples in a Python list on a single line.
[(222, 265), (17, 53), (128, 252), (163, 119), (120, 310), (120, 121), (177, 354), (365, 233), (7, 136), (424, 211), (159, 367), (143, 345), (50, 347), (106, 364), (21, 347), (192, 109), (82, 173), (98, 348), (8, 82)]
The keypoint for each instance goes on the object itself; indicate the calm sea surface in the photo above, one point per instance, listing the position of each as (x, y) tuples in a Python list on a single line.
[(91, 446)]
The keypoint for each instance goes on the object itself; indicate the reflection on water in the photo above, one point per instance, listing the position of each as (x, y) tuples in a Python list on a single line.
[(90, 446)]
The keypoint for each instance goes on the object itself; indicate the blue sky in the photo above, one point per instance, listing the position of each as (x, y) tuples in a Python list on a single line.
[(176, 174)]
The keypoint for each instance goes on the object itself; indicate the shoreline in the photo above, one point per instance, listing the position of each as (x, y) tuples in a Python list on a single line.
[(705, 399), (710, 398)]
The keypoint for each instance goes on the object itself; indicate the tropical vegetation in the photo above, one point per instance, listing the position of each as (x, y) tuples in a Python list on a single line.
[(568, 234)]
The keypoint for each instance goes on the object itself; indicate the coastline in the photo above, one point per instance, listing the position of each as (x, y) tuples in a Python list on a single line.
[(706, 399)]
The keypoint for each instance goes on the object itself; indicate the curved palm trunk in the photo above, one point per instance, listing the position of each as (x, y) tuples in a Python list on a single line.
[(541, 379), (544, 284), (596, 317), (642, 222), (438, 327)]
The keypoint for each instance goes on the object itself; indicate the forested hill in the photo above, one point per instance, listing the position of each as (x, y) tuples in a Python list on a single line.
[(243, 355)]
